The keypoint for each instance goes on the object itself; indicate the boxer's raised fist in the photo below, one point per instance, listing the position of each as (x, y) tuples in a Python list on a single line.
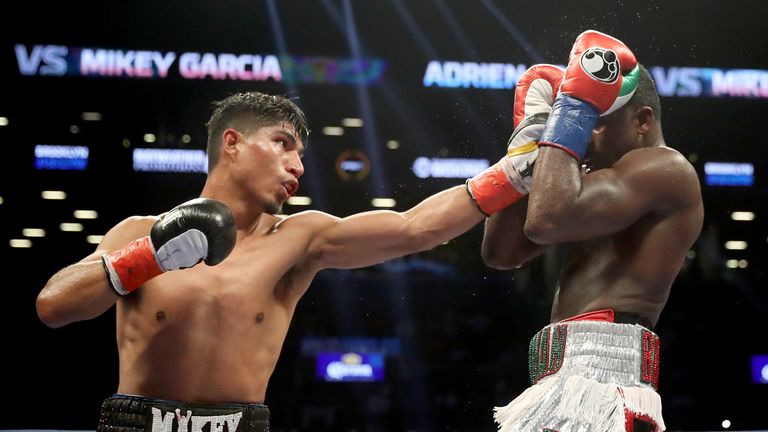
[(202, 229), (601, 76)]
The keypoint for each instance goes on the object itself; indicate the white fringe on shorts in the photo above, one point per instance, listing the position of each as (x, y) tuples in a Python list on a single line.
[(597, 382)]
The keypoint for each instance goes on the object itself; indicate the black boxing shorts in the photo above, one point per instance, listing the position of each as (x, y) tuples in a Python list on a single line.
[(127, 413)]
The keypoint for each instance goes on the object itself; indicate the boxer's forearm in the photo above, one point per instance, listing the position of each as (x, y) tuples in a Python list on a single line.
[(372, 237), (555, 190), (505, 245), (76, 293), (442, 217)]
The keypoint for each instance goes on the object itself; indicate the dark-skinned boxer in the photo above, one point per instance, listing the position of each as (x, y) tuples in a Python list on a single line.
[(627, 223)]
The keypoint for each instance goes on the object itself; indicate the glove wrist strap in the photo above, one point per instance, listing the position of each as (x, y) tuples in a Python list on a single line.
[(569, 126), (131, 266), (492, 191)]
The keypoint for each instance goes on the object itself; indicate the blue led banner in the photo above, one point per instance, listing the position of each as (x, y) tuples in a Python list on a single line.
[(424, 167), (58, 157), (58, 60), (670, 81), (169, 160), (710, 82), (729, 174)]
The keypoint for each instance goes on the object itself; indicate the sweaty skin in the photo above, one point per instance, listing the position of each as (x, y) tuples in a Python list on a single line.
[(214, 334), (627, 225)]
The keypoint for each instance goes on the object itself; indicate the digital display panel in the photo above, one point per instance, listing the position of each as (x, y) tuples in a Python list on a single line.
[(338, 367)]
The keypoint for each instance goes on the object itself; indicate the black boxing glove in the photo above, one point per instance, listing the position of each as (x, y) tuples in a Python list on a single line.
[(202, 229)]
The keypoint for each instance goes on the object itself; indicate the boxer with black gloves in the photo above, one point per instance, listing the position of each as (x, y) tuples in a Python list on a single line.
[(627, 222), (202, 229), (197, 344)]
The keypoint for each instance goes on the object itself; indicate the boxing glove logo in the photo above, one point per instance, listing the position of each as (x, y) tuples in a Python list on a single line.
[(600, 64)]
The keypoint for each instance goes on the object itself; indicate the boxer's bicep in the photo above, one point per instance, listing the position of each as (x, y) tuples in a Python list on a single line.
[(613, 199), (360, 240)]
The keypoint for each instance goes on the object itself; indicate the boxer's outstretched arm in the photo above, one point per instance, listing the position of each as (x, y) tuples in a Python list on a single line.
[(505, 245), (372, 237), (81, 291)]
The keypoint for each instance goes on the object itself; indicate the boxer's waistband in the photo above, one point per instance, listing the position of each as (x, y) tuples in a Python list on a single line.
[(609, 315), (596, 348), (128, 413)]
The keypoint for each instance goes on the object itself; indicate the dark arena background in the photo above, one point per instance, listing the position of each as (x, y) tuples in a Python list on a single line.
[(102, 112)]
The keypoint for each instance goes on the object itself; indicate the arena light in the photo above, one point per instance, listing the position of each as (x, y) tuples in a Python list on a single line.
[(333, 131), (186, 139), (447, 168), (383, 202), (53, 195), (59, 157), (393, 145), (149, 138), (71, 227), (729, 174), (352, 165), (734, 263), (20, 243), (33, 232), (736, 245), (352, 366), (760, 368), (74, 129), (352, 122), (169, 160), (743, 216), (94, 239), (299, 200), (1, 200), (726, 424), (85, 214), (3, 121), (91, 116)]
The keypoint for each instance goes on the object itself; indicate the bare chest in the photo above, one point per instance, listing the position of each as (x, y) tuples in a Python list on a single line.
[(650, 244), (259, 279)]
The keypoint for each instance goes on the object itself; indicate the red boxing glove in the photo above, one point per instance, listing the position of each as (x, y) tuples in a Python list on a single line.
[(601, 77), (536, 90), (509, 180), (602, 71)]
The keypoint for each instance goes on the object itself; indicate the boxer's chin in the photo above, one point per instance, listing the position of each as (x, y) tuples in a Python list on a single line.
[(273, 208)]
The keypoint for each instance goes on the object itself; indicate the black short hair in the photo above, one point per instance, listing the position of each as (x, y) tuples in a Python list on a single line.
[(646, 93), (244, 111)]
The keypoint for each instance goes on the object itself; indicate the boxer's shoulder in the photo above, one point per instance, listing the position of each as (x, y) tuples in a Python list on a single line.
[(129, 229), (307, 224), (661, 163)]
